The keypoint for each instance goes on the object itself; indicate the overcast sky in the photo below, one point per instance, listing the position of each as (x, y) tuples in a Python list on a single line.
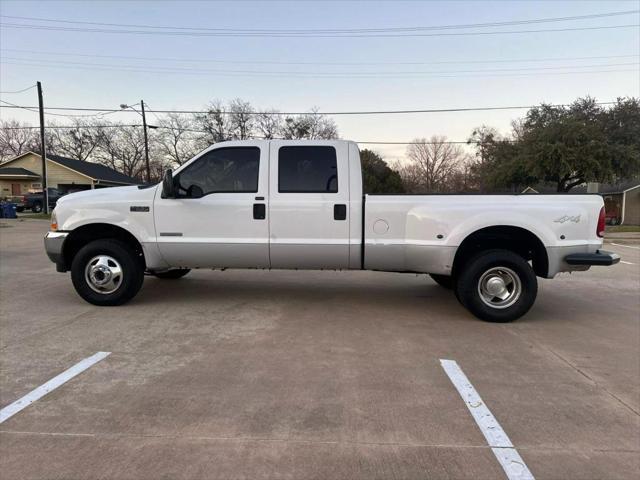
[(89, 68)]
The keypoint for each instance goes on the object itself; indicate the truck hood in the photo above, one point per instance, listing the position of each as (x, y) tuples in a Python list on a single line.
[(100, 195), (105, 205)]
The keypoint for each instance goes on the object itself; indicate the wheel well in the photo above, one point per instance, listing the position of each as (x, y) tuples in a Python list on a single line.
[(80, 236), (515, 239)]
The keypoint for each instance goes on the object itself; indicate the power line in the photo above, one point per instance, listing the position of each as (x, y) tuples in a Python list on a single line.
[(73, 127), (302, 75), (311, 73), (268, 62), (13, 105), (20, 91), (300, 35), (310, 31), (361, 112), (34, 109), (376, 142)]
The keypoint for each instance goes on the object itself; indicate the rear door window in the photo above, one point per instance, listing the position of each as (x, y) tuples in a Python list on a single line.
[(307, 169)]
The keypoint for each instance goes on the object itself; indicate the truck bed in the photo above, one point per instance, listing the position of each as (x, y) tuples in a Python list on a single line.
[(421, 233)]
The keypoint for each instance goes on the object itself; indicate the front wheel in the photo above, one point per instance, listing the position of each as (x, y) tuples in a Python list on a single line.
[(37, 207), (497, 286), (107, 273)]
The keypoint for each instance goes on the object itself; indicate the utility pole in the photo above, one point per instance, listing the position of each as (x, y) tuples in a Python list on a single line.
[(146, 142), (45, 192)]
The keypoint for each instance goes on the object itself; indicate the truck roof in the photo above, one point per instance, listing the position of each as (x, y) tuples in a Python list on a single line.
[(302, 141)]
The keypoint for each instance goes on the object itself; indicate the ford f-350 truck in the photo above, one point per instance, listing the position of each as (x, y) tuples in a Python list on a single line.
[(299, 204)]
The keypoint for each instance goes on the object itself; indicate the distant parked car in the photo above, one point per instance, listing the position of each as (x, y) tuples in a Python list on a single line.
[(17, 200), (35, 201)]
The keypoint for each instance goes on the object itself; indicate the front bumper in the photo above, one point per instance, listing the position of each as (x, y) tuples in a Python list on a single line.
[(600, 258), (53, 243)]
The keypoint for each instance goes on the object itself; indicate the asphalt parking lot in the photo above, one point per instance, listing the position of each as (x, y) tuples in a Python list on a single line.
[(284, 374)]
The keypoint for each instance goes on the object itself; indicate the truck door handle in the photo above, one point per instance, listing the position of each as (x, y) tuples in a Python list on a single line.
[(339, 211), (259, 211)]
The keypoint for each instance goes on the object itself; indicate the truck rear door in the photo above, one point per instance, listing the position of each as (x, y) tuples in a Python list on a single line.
[(308, 205)]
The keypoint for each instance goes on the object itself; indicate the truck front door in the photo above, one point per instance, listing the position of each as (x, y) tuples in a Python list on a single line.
[(309, 205), (219, 216)]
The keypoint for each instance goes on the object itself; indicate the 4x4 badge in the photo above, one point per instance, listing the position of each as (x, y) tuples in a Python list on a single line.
[(568, 218)]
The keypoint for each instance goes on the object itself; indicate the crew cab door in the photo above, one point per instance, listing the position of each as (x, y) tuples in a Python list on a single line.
[(219, 218), (309, 205)]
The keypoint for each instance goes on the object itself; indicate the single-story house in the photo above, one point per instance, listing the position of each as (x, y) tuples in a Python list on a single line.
[(621, 201), (23, 174)]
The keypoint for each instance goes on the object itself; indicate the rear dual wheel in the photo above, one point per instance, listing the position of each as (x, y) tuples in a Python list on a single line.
[(497, 286)]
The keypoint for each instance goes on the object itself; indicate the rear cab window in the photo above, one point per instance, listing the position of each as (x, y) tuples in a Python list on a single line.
[(307, 169)]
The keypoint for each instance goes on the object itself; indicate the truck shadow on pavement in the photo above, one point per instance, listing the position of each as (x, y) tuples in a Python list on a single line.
[(389, 294)]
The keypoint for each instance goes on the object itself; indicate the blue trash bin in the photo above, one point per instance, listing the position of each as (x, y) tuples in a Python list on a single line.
[(9, 210)]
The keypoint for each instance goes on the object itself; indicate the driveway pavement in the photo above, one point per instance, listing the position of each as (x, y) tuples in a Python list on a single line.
[(284, 374)]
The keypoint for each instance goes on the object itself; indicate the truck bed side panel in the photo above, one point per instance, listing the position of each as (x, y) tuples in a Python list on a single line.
[(421, 233)]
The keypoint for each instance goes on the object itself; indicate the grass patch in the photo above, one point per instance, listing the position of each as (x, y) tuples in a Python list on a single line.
[(622, 228)]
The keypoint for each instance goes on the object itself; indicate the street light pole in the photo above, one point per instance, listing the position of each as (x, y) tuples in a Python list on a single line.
[(146, 142)]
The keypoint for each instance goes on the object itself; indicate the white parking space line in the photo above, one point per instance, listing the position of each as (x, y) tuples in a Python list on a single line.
[(625, 246), (496, 437), (626, 263), (10, 410)]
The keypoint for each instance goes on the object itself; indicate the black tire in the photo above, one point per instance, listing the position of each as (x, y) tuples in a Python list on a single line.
[(443, 280), (36, 207), (130, 279), (503, 264), (172, 274)]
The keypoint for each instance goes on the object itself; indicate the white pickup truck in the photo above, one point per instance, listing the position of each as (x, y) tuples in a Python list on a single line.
[(299, 205)]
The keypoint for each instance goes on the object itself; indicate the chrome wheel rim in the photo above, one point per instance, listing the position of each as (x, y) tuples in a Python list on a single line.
[(499, 287), (103, 274)]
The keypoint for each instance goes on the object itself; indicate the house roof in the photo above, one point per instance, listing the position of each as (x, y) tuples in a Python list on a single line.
[(93, 170), (603, 188), (610, 188), (618, 188), (17, 172), (88, 169)]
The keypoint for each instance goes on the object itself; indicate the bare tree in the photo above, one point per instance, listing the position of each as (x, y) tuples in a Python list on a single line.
[(214, 124), (176, 140), (79, 142), (311, 126), (122, 148), (241, 119), (158, 165), (268, 124), (431, 165), (16, 138)]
